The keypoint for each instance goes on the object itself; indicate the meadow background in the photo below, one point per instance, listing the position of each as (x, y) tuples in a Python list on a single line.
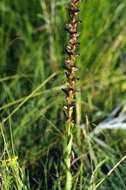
[(32, 39)]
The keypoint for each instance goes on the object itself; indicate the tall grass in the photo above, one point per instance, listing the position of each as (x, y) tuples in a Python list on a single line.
[(31, 78)]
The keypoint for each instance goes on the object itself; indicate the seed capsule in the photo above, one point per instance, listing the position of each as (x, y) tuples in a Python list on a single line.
[(65, 108), (73, 9), (70, 49), (71, 28), (73, 38), (74, 68)]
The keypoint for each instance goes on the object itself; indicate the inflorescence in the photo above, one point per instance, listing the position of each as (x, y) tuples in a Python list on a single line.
[(70, 62)]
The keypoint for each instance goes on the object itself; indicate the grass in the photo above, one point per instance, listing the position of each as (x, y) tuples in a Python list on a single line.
[(32, 39)]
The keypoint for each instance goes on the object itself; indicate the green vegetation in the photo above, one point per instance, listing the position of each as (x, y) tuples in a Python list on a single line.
[(32, 39)]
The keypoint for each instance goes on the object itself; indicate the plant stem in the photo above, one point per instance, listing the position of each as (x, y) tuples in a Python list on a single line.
[(70, 90)]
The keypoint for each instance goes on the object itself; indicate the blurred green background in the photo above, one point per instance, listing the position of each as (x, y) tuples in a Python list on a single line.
[(32, 39)]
